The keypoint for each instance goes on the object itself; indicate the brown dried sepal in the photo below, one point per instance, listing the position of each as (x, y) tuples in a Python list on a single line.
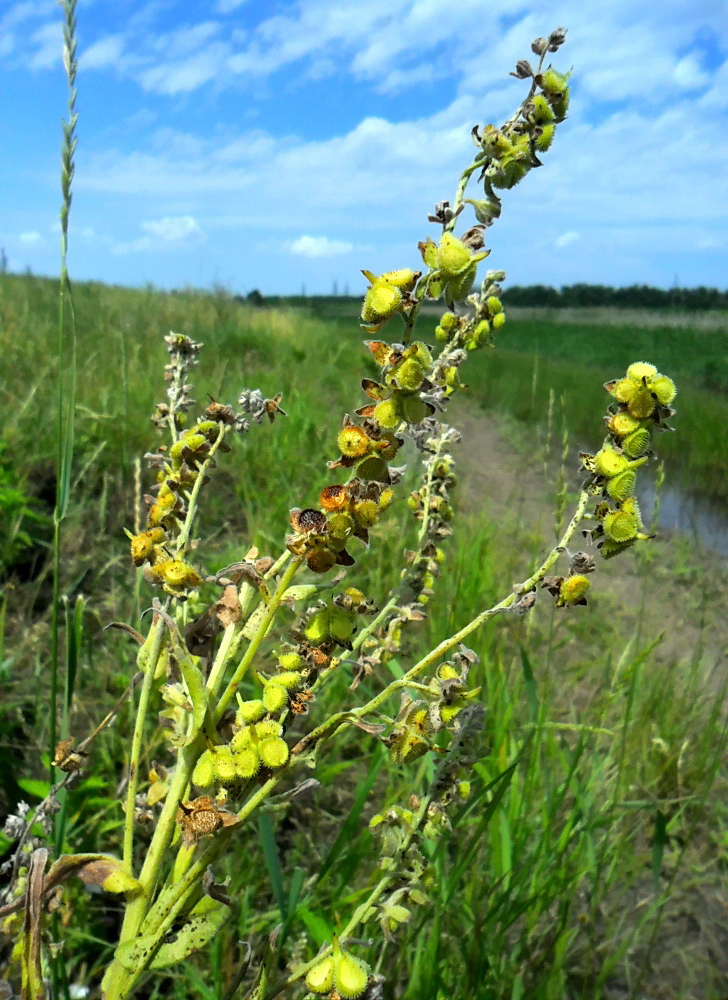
[(68, 759)]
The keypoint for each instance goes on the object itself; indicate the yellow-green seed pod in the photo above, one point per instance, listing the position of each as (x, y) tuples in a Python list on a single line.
[(387, 414), (609, 463), (449, 321), (663, 387), (404, 278), (624, 389), (289, 679), (560, 105), (351, 976), (631, 506), (249, 711), (275, 697), (409, 374), (447, 672), (464, 789), (381, 302), (340, 525), (636, 443), (546, 137), (210, 428), (204, 774), (640, 370), (341, 624), (317, 629), (143, 545), (498, 320), (457, 288), (385, 499), (224, 766), (246, 762), (574, 589), (422, 353), (414, 409), (268, 727), (320, 978), (642, 403), (622, 486), (366, 513), (273, 752), (290, 661), (494, 305), (441, 333), (353, 441), (320, 559), (622, 424), (481, 332), (177, 573), (453, 257), (620, 526), (241, 740), (541, 112)]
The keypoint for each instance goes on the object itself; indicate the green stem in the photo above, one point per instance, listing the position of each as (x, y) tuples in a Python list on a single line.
[(136, 743), (255, 642)]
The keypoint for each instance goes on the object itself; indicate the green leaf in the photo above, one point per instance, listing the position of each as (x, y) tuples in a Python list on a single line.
[(658, 848), (198, 696), (272, 861), (318, 927), (196, 933), (34, 787)]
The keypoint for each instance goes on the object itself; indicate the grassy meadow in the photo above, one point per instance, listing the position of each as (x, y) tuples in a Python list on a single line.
[(590, 858)]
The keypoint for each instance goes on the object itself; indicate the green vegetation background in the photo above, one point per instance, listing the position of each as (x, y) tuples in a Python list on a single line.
[(598, 807)]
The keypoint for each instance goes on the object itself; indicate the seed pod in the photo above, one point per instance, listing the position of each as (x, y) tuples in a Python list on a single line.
[(340, 525), (640, 370), (622, 424), (545, 138), (636, 443), (224, 766), (622, 486), (273, 752), (290, 661), (351, 976), (366, 513), (268, 727), (409, 374), (320, 978), (498, 320), (664, 388), (353, 441), (457, 288), (249, 711), (453, 257), (574, 589), (609, 463), (334, 497), (341, 624), (405, 279), (381, 301), (204, 774), (275, 697), (623, 389), (540, 110), (449, 321), (142, 545), (289, 679), (387, 414), (317, 629), (642, 403), (321, 559), (246, 762), (620, 526)]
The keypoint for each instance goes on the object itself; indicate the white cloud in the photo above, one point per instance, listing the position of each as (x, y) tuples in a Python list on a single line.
[(32, 238), (566, 239), (319, 246), (688, 73), (104, 53), (227, 6), (171, 232), (48, 40), (173, 229)]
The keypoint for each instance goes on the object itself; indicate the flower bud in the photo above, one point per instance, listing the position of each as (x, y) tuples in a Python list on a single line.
[(498, 320), (494, 305), (449, 321)]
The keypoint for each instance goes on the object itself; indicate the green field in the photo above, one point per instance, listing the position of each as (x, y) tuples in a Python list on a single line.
[(590, 858)]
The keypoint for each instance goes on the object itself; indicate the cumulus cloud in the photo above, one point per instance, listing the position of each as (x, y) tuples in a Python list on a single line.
[(319, 246), (171, 232)]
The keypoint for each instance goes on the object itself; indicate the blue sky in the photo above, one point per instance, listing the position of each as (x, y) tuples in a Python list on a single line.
[(254, 143)]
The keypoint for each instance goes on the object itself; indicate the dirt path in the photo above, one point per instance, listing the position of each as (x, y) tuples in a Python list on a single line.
[(682, 595)]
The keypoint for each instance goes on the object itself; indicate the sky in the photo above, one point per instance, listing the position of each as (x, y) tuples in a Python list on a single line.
[(285, 145)]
